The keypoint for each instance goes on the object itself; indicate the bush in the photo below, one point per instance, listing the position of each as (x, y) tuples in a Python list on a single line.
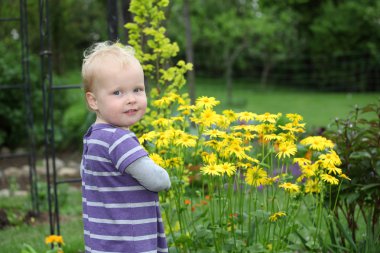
[(358, 144)]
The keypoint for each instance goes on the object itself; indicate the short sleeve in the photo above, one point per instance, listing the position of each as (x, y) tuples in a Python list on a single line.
[(124, 149)]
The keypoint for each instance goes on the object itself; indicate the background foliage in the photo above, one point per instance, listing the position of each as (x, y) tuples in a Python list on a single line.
[(305, 44)]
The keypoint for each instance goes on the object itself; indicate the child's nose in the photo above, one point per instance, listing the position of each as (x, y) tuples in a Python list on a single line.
[(131, 98)]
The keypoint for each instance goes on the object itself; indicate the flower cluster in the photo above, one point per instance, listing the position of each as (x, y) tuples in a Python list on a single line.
[(233, 142), (237, 152)]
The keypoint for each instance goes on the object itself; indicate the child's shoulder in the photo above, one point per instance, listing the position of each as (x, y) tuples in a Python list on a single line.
[(110, 132)]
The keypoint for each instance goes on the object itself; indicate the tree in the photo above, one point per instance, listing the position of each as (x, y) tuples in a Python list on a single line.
[(189, 49), (275, 38), (227, 31)]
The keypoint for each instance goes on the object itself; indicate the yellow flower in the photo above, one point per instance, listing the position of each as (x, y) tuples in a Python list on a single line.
[(249, 136), (294, 117), (186, 109), (174, 97), (271, 137), (329, 179), (309, 170), (334, 170), (293, 128), (330, 159), (163, 102), (214, 133), (318, 143), (173, 162), (288, 136), (274, 217), (271, 180), (267, 117), (157, 159), (209, 158), (344, 176), (206, 102), (292, 188), (148, 136), (212, 143), (178, 118), (231, 115), (243, 165), (246, 116), (186, 140), (162, 122), (208, 117), (256, 176), (211, 169), (312, 186), (236, 150), (162, 141), (54, 239), (228, 168), (265, 128), (301, 161), (286, 149), (223, 122)]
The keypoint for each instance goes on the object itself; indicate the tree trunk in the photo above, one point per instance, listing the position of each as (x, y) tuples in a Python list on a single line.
[(112, 20), (229, 84), (189, 50), (127, 16), (265, 74), (230, 59)]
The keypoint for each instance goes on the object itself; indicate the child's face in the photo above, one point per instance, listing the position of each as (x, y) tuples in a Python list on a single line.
[(118, 96)]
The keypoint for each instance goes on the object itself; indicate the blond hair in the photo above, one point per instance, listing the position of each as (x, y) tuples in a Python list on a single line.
[(94, 55)]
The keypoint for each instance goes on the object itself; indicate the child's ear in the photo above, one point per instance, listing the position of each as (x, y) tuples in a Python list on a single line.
[(91, 101)]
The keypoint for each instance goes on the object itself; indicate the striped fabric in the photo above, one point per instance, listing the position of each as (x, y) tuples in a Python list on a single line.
[(119, 215)]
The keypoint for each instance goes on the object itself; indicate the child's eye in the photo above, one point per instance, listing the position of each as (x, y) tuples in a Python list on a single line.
[(117, 93), (139, 90)]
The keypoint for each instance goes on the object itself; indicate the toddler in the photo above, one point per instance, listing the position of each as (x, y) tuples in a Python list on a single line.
[(119, 181)]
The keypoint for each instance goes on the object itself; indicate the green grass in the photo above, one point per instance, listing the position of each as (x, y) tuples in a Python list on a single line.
[(12, 238), (318, 108)]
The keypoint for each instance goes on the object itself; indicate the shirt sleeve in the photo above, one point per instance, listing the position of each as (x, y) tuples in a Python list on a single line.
[(125, 149), (148, 174)]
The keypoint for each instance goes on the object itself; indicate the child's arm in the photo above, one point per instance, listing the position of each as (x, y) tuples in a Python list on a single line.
[(148, 174)]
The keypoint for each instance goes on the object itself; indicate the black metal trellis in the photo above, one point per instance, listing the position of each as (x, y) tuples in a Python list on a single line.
[(26, 87), (48, 89), (48, 104)]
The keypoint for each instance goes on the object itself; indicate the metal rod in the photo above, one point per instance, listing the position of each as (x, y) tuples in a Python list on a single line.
[(11, 86), (28, 106), (45, 59), (66, 87), (10, 156), (74, 180), (9, 19)]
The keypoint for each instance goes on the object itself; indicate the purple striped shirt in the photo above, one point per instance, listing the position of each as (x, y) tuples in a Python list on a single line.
[(119, 214)]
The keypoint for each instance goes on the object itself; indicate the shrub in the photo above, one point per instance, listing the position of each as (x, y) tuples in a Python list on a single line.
[(358, 144)]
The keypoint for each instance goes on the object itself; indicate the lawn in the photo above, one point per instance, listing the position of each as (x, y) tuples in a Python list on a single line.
[(12, 238), (318, 108)]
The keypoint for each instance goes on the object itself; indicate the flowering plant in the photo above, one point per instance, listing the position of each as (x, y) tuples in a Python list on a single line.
[(55, 242), (255, 171)]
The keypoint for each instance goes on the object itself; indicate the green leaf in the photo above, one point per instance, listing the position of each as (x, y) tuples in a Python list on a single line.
[(26, 248), (367, 187), (347, 236), (360, 155)]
